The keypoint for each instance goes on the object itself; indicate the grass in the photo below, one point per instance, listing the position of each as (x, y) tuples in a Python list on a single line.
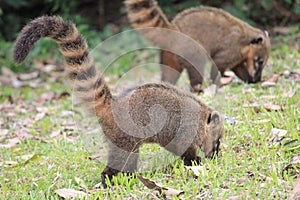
[(250, 166)]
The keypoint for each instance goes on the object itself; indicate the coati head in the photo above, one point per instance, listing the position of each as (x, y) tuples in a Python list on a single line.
[(215, 131), (257, 53)]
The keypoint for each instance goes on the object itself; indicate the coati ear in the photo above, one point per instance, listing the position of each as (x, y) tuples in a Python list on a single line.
[(258, 40), (266, 33), (214, 118)]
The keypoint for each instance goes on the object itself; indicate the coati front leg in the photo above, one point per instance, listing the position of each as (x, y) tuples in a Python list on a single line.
[(122, 157), (171, 70), (190, 156)]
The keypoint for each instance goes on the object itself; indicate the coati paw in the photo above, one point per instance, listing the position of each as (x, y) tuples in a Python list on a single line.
[(189, 162), (197, 88)]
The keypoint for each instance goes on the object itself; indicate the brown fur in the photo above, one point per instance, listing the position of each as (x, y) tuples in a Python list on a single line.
[(188, 124), (230, 42)]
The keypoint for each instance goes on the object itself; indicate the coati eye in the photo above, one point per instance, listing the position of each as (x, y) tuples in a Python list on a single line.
[(260, 62)]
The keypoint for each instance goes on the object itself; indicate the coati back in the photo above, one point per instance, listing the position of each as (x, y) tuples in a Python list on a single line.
[(154, 113), (231, 43)]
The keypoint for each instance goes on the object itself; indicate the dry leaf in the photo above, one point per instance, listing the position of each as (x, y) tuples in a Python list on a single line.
[(271, 81), (254, 106), (29, 76), (39, 116), (38, 63), (161, 189), (296, 159), (13, 142), (7, 72), (70, 193), (8, 163), (226, 80), (16, 83), (236, 197), (3, 132), (270, 107), (195, 169), (275, 132), (296, 191), (55, 134), (241, 180), (45, 97), (282, 30), (23, 133), (268, 84)]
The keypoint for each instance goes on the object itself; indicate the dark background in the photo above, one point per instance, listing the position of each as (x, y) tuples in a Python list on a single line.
[(96, 14)]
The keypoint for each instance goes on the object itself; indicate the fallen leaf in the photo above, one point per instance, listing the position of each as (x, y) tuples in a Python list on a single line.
[(17, 83), (7, 72), (270, 107), (271, 81), (295, 76), (161, 189), (236, 197), (254, 106), (274, 78), (226, 80), (55, 134), (29, 76), (12, 142), (46, 97), (275, 132), (296, 191), (241, 180), (39, 116), (195, 169), (8, 163), (3, 132), (38, 63), (281, 30), (296, 159), (23, 133), (70, 193), (66, 113), (267, 84)]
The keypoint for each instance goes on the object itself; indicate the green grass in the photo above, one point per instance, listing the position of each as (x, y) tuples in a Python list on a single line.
[(250, 164)]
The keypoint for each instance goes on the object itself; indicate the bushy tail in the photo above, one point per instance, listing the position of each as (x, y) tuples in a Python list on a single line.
[(146, 13), (88, 84)]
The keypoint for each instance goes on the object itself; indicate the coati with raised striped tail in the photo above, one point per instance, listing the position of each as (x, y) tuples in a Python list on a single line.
[(231, 43), (152, 113)]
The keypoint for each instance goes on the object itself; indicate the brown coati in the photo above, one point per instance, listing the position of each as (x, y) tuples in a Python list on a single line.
[(231, 43), (152, 113)]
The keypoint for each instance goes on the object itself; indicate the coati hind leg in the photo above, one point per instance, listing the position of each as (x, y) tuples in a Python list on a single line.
[(195, 75), (121, 158), (172, 70)]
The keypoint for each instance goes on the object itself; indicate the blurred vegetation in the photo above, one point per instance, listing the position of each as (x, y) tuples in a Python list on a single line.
[(97, 20)]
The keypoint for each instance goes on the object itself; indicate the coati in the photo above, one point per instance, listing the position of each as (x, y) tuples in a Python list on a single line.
[(152, 113), (231, 43)]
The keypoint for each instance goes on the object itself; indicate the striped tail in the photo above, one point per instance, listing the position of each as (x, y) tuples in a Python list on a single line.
[(89, 87), (146, 13)]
